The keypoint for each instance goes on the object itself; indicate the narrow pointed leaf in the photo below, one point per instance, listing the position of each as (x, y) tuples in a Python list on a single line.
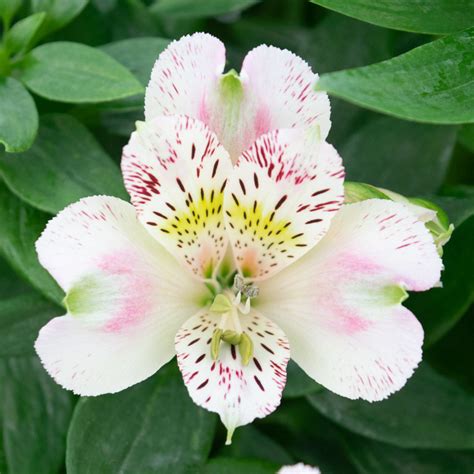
[(432, 83), (432, 16)]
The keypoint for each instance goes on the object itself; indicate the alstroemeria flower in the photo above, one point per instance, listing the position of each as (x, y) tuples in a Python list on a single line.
[(232, 266)]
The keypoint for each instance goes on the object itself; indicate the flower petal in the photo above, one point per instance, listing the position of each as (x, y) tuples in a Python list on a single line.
[(126, 298), (274, 90), (175, 171), (340, 306), (238, 393), (280, 200), (183, 76), (299, 468)]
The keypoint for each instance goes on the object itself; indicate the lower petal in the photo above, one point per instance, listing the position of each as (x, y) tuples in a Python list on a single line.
[(238, 393)]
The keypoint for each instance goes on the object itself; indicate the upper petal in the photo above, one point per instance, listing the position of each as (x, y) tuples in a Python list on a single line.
[(126, 298), (274, 90), (184, 75), (280, 200), (175, 171), (341, 305)]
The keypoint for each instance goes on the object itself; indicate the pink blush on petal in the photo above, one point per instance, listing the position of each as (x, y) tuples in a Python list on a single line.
[(135, 294), (262, 121)]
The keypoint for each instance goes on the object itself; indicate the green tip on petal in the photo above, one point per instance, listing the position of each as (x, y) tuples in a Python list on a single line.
[(395, 294), (221, 304), (230, 433), (82, 297)]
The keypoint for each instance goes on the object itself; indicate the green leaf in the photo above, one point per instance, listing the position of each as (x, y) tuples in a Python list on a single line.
[(8, 8), (432, 83), (193, 9), (249, 442), (18, 116), (138, 55), (34, 418), (64, 165), (20, 37), (401, 156), (162, 430), (239, 466), (431, 411), (372, 457), (21, 318), (21, 227), (22, 313), (466, 136), (432, 16), (59, 12), (73, 72), (298, 382), (440, 308)]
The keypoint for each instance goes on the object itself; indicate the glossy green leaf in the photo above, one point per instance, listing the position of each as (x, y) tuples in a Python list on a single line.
[(372, 457), (193, 9), (21, 225), (431, 411), (73, 72), (59, 12), (64, 165), (18, 116), (432, 83), (138, 55), (426, 16), (34, 418), (162, 430), (401, 156), (298, 383), (239, 466), (440, 308), (20, 36)]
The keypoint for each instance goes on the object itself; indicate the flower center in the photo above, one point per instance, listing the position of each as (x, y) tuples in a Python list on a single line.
[(229, 304)]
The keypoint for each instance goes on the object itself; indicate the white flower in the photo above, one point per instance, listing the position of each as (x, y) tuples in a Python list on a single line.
[(232, 266), (299, 468)]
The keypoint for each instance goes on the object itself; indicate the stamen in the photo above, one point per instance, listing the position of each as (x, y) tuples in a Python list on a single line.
[(245, 348)]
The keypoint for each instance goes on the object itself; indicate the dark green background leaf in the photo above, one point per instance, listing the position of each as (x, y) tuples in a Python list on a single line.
[(34, 418), (152, 427), (239, 466), (21, 227), (65, 164), (18, 116), (193, 9), (409, 158), (431, 411)]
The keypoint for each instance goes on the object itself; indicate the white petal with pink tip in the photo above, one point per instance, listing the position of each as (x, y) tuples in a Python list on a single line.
[(280, 200), (126, 298), (341, 308), (238, 393)]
